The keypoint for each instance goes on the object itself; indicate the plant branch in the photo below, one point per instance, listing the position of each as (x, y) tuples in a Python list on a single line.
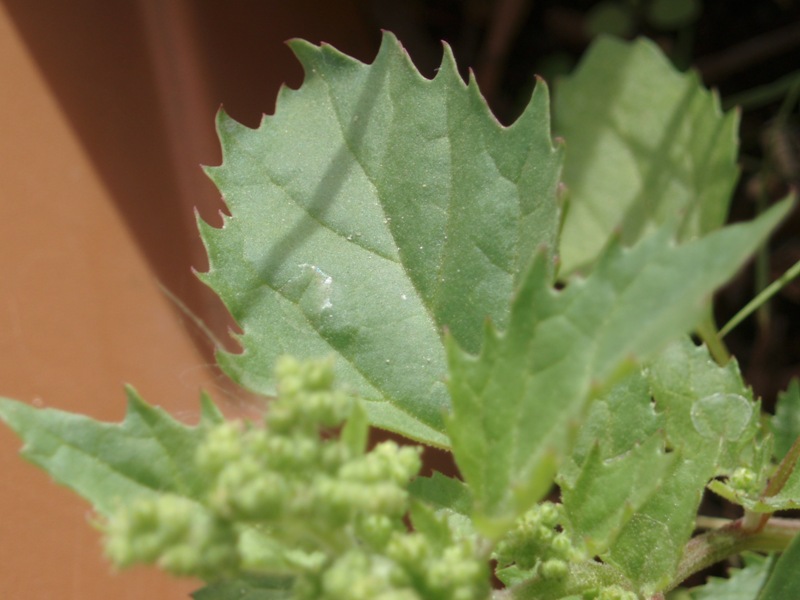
[(707, 330), (733, 538)]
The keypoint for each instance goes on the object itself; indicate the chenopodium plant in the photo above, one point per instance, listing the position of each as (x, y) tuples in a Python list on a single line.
[(396, 258)]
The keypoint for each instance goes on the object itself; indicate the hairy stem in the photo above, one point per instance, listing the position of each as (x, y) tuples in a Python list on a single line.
[(733, 538)]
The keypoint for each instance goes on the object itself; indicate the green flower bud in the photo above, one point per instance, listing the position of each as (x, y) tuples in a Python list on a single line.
[(387, 461), (246, 491), (357, 576), (457, 574), (744, 479), (222, 446), (550, 514), (554, 568), (291, 454), (173, 532), (562, 546), (410, 549), (377, 530)]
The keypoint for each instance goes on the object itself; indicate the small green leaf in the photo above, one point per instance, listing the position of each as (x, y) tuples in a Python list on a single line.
[(355, 432), (784, 581), (374, 209), (741, 584), (442, 492), (689, 387), (602, 500), (620, 442), (788, 498), (247, 588), (785, 424), (512, 405), (111, 465), (647, 145), (710, 423)]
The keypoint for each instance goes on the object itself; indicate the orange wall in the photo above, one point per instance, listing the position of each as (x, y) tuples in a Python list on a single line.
[(106, 110)]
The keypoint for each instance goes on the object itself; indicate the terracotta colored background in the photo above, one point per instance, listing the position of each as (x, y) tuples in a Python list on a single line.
[(106, 111)]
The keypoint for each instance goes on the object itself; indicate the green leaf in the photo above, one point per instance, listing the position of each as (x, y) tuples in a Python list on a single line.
[(513, 404), (741, 584), (355, 433), (374, 209), (710, 412), (147, 455), (441, 492), (687, 388), (784, 581), (785, 424), (788, 498), (247, 588), (647, 145), (620, 443)]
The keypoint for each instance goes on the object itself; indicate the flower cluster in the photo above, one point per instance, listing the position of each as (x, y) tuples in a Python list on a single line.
[(535, 543), (301, 496)]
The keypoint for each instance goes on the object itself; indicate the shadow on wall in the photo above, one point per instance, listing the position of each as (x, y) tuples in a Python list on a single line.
[(140, 83)]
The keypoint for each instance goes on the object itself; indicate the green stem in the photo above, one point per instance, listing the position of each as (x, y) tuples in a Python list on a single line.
[(784, 470), (756, 302), (763, 95), (762, 262), (707, 330), (730, 539)]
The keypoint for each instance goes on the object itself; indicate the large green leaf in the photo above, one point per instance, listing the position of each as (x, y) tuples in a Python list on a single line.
[(513, 404), (646, 145), (111, 464), (374, 209)]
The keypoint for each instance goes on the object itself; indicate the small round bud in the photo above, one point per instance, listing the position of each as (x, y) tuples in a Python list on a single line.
[(554, 568), (744, 479)]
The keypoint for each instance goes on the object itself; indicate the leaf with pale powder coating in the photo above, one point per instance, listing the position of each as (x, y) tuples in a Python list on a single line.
[(373, 210)]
